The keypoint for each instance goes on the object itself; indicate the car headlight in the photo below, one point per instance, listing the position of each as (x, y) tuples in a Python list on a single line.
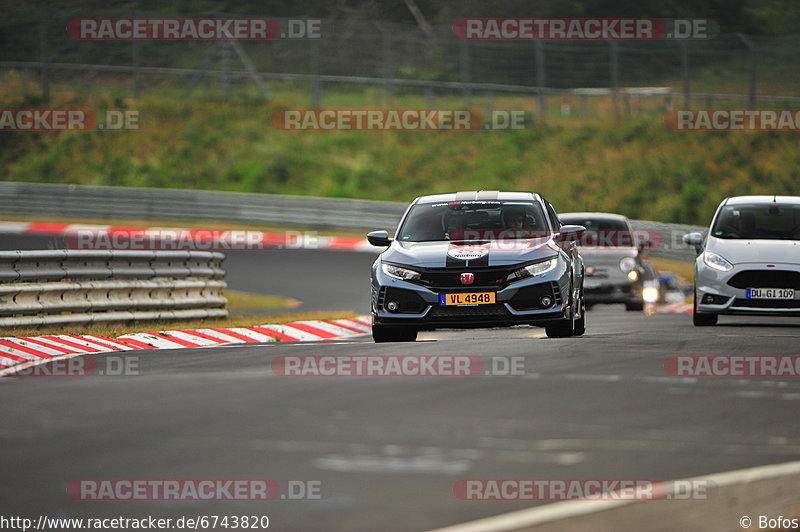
[(532, 270), (633, 276), (713, 260), (627, 264), (400, 273), (650, 294)]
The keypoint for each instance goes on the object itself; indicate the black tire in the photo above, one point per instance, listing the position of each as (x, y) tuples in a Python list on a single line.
[(702, 320), (580, 323), (563, 328), (382, 334), (637, 306)]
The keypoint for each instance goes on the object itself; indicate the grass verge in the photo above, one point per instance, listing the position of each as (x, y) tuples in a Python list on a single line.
[(684, 270)]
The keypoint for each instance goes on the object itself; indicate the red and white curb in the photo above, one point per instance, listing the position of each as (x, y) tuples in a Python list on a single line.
[(82, 236), (675, 308), (20, 353)]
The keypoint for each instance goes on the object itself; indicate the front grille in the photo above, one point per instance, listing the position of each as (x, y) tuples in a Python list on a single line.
[(443, 311), (409, 302), (451, 277), (528, 298), (766, 303), (765, 279)]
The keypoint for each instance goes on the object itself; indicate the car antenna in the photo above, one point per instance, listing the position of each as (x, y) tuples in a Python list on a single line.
[(774, 198)]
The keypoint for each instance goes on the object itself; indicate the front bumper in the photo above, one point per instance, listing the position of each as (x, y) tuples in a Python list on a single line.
[(518, 303), (715, 292)]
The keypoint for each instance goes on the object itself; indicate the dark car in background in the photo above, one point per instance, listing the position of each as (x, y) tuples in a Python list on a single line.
[(477, 259), (613, 261)]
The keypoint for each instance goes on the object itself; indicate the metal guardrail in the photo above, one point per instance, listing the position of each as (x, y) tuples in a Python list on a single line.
[(74, 286), (77, 201), (26, 199)]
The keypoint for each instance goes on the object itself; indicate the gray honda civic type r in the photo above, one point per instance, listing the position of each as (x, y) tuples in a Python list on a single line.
[(477, 259)]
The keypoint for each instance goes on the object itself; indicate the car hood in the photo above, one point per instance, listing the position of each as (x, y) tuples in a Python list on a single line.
[(737, 251), (459, 255), (602, 256)]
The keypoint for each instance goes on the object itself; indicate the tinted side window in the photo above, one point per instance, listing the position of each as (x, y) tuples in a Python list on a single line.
[(551, 214)]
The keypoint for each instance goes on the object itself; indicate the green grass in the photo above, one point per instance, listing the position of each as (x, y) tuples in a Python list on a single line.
[(635, 166)]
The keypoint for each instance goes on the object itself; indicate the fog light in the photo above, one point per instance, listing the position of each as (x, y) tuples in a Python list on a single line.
[(392, 306), (546, 301), (633, 275)]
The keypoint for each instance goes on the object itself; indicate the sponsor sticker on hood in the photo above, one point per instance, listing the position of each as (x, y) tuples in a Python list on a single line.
[(467, 252)]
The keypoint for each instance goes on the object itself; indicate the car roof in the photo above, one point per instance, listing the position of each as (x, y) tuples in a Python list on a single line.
[(741, 200), (479, 195), (594, 215)]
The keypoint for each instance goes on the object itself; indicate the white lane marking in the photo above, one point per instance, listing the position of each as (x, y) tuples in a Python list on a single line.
[(562, 511), (392, 464)]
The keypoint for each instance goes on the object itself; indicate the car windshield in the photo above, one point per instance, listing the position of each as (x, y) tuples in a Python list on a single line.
[(765, 221), (474, 221), (602, 232)]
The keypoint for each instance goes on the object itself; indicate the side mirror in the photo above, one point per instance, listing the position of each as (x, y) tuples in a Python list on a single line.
[(694, 239), (379, 238), (571, 232)]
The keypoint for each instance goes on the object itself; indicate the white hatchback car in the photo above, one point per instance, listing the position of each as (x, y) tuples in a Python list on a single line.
[(750, 261)]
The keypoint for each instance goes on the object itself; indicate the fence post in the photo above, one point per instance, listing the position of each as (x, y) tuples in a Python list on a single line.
[(387, 59), (751, 60), (136, 74), (429, 98), (226, 70), (45, 72), (465, 71), (687, 94), (313, 65), (613, 51), (541, 79)]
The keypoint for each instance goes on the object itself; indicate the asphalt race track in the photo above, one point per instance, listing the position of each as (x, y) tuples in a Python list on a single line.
[(388, 451)]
